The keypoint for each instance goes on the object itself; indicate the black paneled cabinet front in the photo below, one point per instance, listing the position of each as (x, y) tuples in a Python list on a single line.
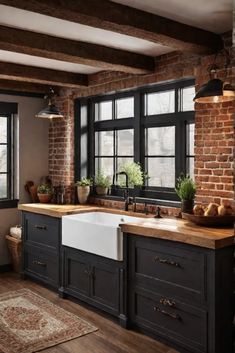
[(96, 280), (41, 248), (182, 294)]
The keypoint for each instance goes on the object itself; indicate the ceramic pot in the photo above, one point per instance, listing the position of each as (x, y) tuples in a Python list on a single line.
[(45, 198), (187, 206), (83, 193), (101, 190)]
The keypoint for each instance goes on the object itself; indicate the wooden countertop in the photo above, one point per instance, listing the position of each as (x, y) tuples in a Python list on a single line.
[(164, 228)]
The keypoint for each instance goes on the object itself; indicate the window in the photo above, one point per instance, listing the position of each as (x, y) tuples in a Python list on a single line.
[(153, 126), (6, 153)]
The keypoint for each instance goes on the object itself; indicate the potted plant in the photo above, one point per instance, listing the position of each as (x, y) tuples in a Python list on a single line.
[(44, 192), (83, 189), (136, 177), (102, 183), (186, 190)]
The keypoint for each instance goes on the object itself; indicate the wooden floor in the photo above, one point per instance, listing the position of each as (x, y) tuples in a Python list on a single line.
[(110, 337)]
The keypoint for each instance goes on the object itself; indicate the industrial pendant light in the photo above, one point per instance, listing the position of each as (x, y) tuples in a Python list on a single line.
[(51, 111), (215, 90)]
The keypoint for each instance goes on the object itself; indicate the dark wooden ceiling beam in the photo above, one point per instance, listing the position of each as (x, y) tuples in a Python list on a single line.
[(20, 86), (46, 46), (34, 74), (126, 20)]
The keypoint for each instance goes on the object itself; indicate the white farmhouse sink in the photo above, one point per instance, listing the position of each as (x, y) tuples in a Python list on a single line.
[(96, 232)]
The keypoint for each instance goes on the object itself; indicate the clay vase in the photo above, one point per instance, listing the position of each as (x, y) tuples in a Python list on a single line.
[(45, 198), (33, 193), (83, 193), (101, 190)]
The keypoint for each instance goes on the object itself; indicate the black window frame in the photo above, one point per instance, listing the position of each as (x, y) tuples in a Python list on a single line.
[(7, 110), (139, 123)]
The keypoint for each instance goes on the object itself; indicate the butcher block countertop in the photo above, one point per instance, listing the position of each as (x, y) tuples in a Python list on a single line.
[(172, 229)]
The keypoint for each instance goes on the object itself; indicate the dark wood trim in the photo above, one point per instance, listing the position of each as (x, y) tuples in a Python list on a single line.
[(126, 20), (31, 43), (23, 88), (35, 74), (5, 268), (7, 108)]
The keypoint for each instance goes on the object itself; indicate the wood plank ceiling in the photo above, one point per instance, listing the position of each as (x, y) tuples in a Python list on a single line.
[(34, 54)]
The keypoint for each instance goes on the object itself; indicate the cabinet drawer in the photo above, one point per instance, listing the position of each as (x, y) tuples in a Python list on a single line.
[(184, 324), (42, 264), (177, 268), (41, 230)]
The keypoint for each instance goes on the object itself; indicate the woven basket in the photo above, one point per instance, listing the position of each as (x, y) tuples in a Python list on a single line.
[(14, 245)]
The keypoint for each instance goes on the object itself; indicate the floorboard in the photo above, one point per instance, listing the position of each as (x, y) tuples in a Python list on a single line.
[(110, 338)]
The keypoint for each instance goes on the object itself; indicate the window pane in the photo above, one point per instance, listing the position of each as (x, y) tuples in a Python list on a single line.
[(3, 186), (190, 166), (3, 158), (160, 103), (125, 108), (103, 111), (190, 139), (3, 130), (104, 143), (125, 142), (161, 172), (106, 165), (187, 98), (160, 141)]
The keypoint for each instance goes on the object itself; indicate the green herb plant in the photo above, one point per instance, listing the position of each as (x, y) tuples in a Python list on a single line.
[(84, 182), (102, 180), (44, 189), (136, 176), (185, 188)]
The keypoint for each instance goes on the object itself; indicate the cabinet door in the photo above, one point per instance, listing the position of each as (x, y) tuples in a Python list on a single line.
[(77, 272), (41, 230), (41, 264), (105, 285)]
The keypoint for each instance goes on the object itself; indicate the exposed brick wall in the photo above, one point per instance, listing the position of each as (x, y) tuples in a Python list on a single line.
[(214, 125), (61, 147)]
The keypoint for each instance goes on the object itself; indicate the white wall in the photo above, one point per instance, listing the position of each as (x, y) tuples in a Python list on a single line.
[(33, 158)]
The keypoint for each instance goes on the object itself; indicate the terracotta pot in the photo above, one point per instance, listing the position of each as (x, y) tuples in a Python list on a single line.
[(83, 193), (101, 190), (187, 206), (45, 198)]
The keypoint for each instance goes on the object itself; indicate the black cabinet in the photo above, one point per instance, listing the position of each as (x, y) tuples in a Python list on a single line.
[(182, 294), (96, 280), (41, 248)]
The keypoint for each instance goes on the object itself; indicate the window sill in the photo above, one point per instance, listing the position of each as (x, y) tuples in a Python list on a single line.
[(149, 201), (8, 204)]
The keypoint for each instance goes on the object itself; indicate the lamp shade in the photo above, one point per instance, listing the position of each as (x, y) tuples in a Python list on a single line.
[(50, 112), (215, 91)]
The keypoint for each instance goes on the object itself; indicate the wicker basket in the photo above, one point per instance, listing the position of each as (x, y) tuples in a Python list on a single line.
[(14, 246)]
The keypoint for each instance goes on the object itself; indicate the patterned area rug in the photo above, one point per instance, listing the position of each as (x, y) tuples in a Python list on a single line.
[(30, 323)]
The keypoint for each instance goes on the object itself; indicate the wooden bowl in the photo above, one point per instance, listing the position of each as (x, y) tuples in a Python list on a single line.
[(210, 221)]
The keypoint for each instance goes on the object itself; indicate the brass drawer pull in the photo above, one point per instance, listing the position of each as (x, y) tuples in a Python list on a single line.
[(166, 261), (167, 302), (40, 227), (39, 263), (171, 315)]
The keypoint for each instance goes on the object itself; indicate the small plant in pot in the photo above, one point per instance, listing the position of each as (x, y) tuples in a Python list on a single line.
[(102, 183), (186, 190), (44, 193), (83, 189), (136, 176)]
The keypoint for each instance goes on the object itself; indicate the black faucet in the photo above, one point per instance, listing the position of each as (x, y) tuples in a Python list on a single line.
[(127, 199)]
